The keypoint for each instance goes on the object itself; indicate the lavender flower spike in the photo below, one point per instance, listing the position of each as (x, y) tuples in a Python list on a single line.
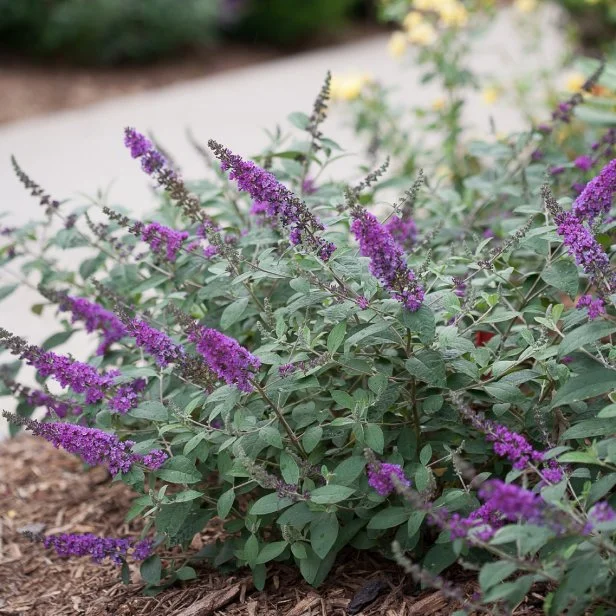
[(387, 259), (160, 237), (596, 307), (141, 147), (380, 477), (226, 357), (154, 342), (99, 548), (596, 198), (280, 201), (93, 446)]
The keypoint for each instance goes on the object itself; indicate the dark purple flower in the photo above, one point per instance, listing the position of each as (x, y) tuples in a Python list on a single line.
[(511, 445), (226, 357), (557, 170), (279, 201), (403, 230), (601, 512), (210, 251), (95, 317), (536, 155), (380, 477), (513, 502), (141, 147), (286, 370), (578, 187), (488, 233), (596, 198), (481, 523), (99, 548), (583, 163), (60, 408), (308, 186), (387, 259), (362, 302), (127, 397), (158, 237), (595, 306), (154, 342)]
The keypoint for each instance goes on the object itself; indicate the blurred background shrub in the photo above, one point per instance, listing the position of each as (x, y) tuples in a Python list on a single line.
[(594, 22)]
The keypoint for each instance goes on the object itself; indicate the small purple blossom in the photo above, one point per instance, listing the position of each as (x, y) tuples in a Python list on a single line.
[(403, 230), (481, 523), (61, 408), (583, 163), (210, 251), (387, 259), (511, 445), (309, 186), (578, 187), (556, 170), (488, 233), (160, 237), (536, 155), (597, 196), (99, 548), (285, 370), (601, 512), (513, 502), (380, 477), (95, 317), (141, 147), (362, 302), (595, 306), (127, 397), (226, 357), (154, 342), (279, 201)]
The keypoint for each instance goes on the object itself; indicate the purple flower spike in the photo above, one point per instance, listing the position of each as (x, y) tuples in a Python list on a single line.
[(275, 200), (596, 198), (154, 342), (95, 318), (380, 477), (583, 163), (141, 147), (226, 357), (403, 230), (99, 548), (512, 446), (512, 502), (387, 260), (595, 306), (160, 237)]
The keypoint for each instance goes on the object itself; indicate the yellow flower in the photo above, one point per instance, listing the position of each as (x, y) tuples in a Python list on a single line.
[(574, 82), (411, 20), (348, 87), (423, 34), (526, 6), (397, 44), (490, 95), (438, 104), (453, 14)]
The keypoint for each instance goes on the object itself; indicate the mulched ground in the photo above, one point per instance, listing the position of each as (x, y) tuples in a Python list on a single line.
[(41, 485)]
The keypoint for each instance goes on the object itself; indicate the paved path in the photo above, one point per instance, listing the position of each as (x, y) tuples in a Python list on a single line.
[(81, 151)]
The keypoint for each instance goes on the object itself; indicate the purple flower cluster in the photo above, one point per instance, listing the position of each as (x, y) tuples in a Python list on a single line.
[(160, 237), (61, 408), (154, 342), (513, 502), (511, 445), (95, 318), (141, 147), (482, 523), (99, 548), (380, 477), (93, 446), (279, 201), (387, 259), (595, 306), (403, 230), (601, 512), (583, 163), (225, 357), (597, 196), (126, 397)]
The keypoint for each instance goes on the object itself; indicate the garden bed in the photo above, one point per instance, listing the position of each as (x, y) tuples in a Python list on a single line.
[(42, 485)]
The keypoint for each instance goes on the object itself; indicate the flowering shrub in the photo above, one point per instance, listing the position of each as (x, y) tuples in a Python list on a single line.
[(322, 365)]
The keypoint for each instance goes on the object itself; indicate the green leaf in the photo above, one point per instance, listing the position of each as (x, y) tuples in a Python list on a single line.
[(414, 524), (323, 533), (421, 322), (57, 339), (349, 470), (251, 550), (186, 495), (6, 290), (259, 576), (563, 275), (601, 487), (299, 119), (271, 436), (336, 337), (297, 516), (439, 557), (225, 503), (271, 551), (311, 438), (343, 399), (186, 573), (298, 549), (330, 494), (388, 518), (233, 313), (529, 538), (151, 569), (591, 427), (152, 410), (374, 438), (289, 468), (179, 469), (270, 503), (579, 457), (366, 332), (427, 366), (314, 569), (494, 573), (511, 592), (587, 333), (584, 386)]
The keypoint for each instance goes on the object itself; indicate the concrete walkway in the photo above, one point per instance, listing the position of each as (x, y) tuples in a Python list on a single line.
[(81, 151)]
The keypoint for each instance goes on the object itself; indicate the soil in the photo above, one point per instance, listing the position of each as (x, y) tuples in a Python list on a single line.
[(40, 485), (29, 88)]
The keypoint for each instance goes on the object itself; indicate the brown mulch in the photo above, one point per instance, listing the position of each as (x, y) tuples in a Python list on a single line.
[(41, 485)]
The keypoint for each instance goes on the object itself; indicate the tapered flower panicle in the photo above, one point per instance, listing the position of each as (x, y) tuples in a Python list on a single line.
[(161, 238), (93, 446), (597, 196), (99, 548), (512, 502), (154, 342), (278, 200), (387, 260), (141, 147), (381, 477), (225, 357), (403, 230), (595, 306), (95, 318)]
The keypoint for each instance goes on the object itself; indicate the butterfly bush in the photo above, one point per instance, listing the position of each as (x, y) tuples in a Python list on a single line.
[(413, 357)]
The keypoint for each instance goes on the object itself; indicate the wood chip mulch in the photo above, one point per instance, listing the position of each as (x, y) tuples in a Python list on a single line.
[(40, 485)]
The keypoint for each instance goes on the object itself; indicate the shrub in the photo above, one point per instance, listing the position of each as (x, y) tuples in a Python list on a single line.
[(325, 366)]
